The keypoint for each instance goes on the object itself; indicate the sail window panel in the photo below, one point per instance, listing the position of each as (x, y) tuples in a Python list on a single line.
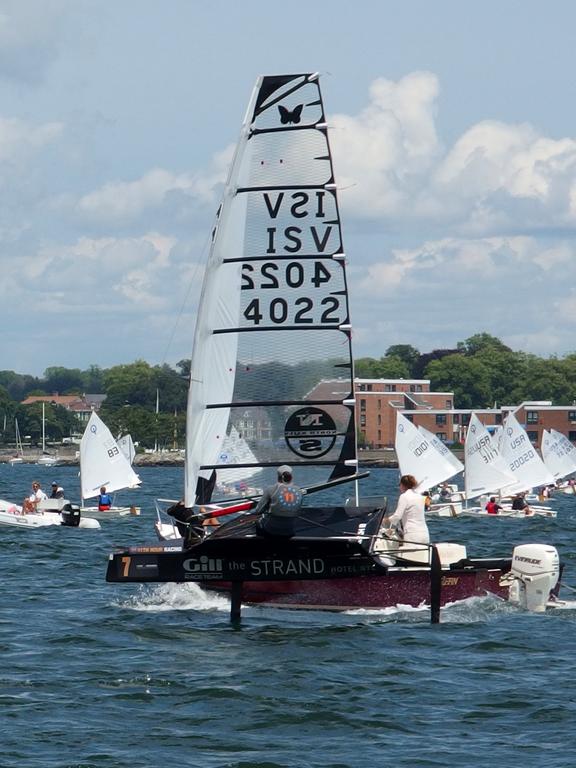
[(283, 108), (279, 366), (292, 434), (291, 223), (294, 366), (288, 159)]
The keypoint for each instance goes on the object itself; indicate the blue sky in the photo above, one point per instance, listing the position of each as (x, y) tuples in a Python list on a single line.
[(454, 145)]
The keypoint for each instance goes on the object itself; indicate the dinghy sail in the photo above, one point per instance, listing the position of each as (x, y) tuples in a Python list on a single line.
[(486, 471), (418, 456), (559, 454), (522, 459), (102, 463), (272, 357)]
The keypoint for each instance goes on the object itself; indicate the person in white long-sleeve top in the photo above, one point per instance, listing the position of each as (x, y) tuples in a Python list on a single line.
[(409, 523)]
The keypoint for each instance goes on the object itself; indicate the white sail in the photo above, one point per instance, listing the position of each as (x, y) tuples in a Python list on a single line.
[(485, 469), (235, 450), (558, 453), (443, 450), (417, 456), (126, 445), (272, 351), (522, 458), (102, 462)]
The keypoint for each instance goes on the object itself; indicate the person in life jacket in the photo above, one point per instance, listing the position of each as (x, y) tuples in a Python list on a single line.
[(279, 505), (492, 507), (104, 500)]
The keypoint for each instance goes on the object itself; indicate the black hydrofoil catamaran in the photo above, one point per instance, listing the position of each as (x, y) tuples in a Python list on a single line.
[(272, 366)]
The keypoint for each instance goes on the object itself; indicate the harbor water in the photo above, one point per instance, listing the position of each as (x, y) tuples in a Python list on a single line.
[(96, 675)]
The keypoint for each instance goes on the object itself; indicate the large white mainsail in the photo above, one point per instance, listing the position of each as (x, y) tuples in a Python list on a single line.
[(272, 354), (558, 453), (102, 462), (417, 456), (522, 458), (485, 469)]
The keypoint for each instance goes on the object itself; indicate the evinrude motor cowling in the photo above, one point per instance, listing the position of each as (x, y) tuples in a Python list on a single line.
[(70, 514), (534, 574)]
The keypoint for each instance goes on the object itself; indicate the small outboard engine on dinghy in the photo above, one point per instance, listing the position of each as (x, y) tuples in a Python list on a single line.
[(70, 514), (534, 574)]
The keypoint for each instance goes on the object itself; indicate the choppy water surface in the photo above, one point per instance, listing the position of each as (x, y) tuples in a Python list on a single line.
[(108, 676)]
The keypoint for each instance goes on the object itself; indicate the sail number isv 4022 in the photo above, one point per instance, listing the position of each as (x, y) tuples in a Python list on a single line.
[(299, 293)]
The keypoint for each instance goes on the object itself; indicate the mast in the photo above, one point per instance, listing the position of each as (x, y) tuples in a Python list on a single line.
[(156, 420), (43, 427)]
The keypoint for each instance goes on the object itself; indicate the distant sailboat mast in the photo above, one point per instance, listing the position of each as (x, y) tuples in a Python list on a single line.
[(156, 420)]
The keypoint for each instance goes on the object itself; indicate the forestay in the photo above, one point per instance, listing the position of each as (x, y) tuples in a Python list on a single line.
[(272, 355), (485, 469), (102, 462)]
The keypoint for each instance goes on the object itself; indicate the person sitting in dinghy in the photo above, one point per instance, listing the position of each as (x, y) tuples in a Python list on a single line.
[(57, 491), (409, 522), (520, 504), (279, 505), (492, 506), (30, 503), (104, 500)]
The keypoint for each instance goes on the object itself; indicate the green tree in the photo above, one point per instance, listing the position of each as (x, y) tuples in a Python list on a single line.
[(391, 367), (406, 352), (467, 377), (18, 385), (63, 381), (93, 380), (133, 384), (481, 342)]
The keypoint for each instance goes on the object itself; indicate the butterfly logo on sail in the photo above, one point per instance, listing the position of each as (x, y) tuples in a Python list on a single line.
[(287, 116)]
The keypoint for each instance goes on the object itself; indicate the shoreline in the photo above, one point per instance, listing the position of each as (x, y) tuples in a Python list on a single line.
[(386, 459), (378, 458)]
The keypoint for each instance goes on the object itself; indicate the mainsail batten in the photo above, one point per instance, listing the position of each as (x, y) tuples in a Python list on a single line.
[(276, 271)]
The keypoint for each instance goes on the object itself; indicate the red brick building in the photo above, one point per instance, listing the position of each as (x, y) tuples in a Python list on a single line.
[(378, 401)]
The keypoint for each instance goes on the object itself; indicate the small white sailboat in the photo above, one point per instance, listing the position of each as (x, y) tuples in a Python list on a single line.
[(522, 458), (235, 458), (47, 459), (126, 445), (419, 455), (559, 455), (18, 458), (487, 471), (103, 464)]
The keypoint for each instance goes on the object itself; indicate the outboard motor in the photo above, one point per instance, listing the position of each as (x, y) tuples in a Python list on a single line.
[(70, 514), (534, 574)]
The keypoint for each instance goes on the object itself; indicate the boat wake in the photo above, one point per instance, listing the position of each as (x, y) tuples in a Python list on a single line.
[(472, 610), (175, 597)]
